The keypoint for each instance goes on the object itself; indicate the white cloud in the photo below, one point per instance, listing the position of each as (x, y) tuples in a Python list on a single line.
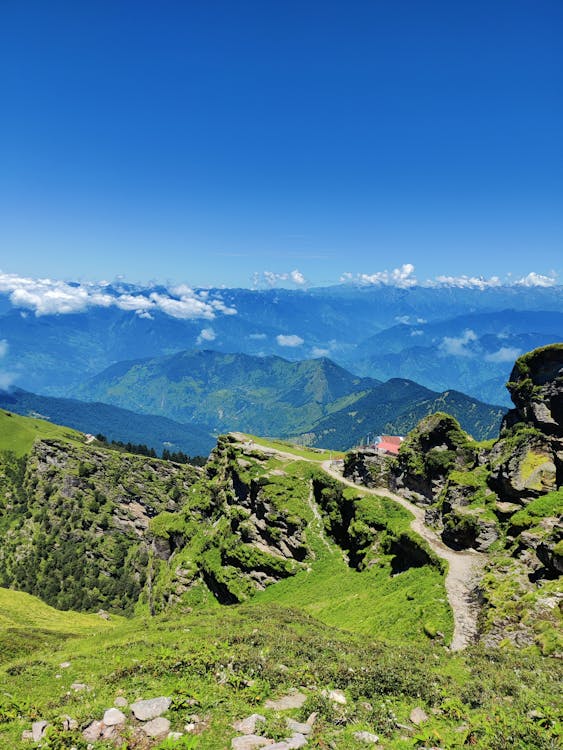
[(465, 282), (257, 336), (53, 297), (537, 279), (417, 332), (504, 354), (318, 352), (271, 279), (400, 277), (457, 347), (403, 319), (297, 277), (403, 278), (206, 334), (289, 340)]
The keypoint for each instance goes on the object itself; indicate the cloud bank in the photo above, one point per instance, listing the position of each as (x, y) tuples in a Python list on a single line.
[(271, 279), (404, 277), (53, 297), (458, 346)]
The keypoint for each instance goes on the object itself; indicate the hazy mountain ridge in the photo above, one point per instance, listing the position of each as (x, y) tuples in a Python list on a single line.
[(116, 424), (270, 395), (52, 351)]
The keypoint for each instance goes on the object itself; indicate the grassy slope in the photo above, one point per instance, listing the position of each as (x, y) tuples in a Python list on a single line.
[(230, 660), (17, 433), (26, 623), (370, 601)]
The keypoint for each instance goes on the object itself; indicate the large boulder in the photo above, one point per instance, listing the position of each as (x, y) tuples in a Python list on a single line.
[(435, 447), (536, 389)]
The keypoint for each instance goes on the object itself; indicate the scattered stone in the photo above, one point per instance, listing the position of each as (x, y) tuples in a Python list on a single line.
[(157, 727), (38, 730), (113, 716), (78, 686), (93, 731), (69, 724), (294, 699), (103, 614), (151, 708), (297, 726), (120, 702), (64, 665), (108, 732), (418, 716), (249, 742), (27, 734), (312, 719), (293, 743), (58, 676), (174, 735), (367, 737), (336, 696), (248, 725)]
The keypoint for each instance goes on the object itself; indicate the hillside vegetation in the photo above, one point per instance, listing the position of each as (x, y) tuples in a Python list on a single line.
[(268, 574)]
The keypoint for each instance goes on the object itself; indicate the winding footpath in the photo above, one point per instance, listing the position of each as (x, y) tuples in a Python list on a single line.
[(464, 568)]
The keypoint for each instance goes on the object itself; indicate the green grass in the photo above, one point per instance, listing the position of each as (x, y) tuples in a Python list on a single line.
[(17, 434), (310, 454), (229, 661), (27, 623)]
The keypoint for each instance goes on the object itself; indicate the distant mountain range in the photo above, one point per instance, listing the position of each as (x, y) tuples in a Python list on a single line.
[(115, 423), (316, 399), (380, 332)]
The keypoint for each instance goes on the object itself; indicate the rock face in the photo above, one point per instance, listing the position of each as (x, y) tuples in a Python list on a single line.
[(86, 514), (536, 389), (430, 452)]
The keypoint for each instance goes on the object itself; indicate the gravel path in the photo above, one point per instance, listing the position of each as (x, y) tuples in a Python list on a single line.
[(464, 568)]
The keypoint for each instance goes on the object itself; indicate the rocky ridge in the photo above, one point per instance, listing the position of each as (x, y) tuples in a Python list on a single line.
[(503, 497)]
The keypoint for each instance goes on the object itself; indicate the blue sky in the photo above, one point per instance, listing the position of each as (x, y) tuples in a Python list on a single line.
[(207, 141)]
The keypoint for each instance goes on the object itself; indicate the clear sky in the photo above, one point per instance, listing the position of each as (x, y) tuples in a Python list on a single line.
[(207, 140)]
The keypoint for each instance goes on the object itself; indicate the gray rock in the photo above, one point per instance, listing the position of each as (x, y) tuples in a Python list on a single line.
[(64, 665), (151, 708), (38, 730), (93, 732), (248, 725), (174, 735), (249, 742), (27, 735), (367, 737), (113, 716), (120, 702), (299, 727), (418, 716), (79, 686), (293, 743), (69, 723), (294, 699), (336, 696), (157, 727)]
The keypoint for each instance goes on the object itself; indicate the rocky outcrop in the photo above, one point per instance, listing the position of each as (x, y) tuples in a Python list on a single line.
[(536, 389), (436, 447), (370, 469)]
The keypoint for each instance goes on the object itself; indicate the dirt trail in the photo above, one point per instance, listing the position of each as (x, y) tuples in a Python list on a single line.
[(464, 568)]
